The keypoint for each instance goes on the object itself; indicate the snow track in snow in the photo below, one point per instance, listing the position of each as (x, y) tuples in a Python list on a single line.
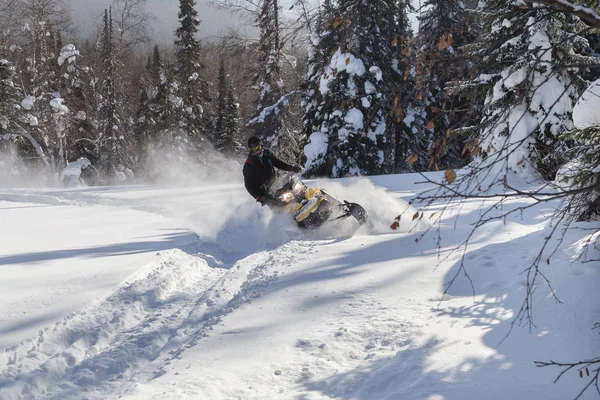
[(134, 334), (111, 338), (157, 314)]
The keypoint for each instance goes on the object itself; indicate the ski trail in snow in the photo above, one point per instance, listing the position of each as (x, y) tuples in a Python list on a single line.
[(164, 309), (246, 281), (111, 338), (135, 334)]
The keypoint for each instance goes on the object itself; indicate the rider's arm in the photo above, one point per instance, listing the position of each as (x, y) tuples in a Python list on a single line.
[(277, 163)]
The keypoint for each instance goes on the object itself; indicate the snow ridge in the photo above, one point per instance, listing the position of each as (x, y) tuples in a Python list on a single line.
[(135, 333), (112, 338)]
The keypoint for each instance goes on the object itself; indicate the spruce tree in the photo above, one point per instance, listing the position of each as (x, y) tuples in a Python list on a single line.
[(192, 93), (324, 41), (18, 147), (155, 119), (227, 129), (347, 113), (270, 125), (39, 76), (530, 63), (114, 158), (444, 28)]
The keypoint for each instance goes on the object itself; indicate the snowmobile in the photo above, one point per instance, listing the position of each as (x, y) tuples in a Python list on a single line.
[(311, 208)]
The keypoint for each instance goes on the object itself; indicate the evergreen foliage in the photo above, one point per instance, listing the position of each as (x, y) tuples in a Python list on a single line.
[(378, 99), (156, 116), (191, 92), (582, 173), (349, 96), (114, 159), (13, 144), (268, 78), (228, 138), (527, 65), (445, 27)]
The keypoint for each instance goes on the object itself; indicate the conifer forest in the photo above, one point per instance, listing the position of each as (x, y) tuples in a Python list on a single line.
[(345, 88)]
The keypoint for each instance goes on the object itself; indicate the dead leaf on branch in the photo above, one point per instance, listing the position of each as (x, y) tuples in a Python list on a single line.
[(430, 125), (412, 158), (396, 222), (445, 42), (464, 150), (450, 176), (338, 21)]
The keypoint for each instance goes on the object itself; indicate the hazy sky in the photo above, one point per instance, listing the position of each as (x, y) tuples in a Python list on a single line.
[(86, 14)]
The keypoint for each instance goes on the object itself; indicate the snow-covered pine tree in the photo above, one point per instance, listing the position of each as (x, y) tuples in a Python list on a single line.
[(80, 131), (160, 114), (228, 138), (268, 79), (155, 118), (16, 143), (324, 41), (347, 114), (114, 156), (38, 74), (582, 175), (410, 131), (192, 89), (531, 64), (444, 28)]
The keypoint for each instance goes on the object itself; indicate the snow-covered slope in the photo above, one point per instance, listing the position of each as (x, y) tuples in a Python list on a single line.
[(198, 293)]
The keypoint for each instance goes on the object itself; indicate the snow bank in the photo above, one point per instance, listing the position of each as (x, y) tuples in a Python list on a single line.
[(72, 354)]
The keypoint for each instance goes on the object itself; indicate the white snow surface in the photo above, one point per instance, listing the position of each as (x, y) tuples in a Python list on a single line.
[(143, 292)]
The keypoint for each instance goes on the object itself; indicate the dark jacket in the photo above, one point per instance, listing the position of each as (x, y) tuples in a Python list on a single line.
[(258, 170)]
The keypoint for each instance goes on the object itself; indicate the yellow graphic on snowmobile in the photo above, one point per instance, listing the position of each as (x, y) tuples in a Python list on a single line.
[(293, 207), (311, 192), (305, 214)]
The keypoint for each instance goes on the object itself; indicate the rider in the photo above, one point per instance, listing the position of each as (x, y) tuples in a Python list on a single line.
[(260, 168)]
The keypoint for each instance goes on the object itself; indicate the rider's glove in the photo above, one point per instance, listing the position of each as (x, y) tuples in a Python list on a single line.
[(296, 169), (263, 200)]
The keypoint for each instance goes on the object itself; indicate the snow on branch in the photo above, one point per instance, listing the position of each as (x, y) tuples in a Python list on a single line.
[(266, 111), (587, 15)]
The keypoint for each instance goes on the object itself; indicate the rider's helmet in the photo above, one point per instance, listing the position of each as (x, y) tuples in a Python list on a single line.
[(255, 145)]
